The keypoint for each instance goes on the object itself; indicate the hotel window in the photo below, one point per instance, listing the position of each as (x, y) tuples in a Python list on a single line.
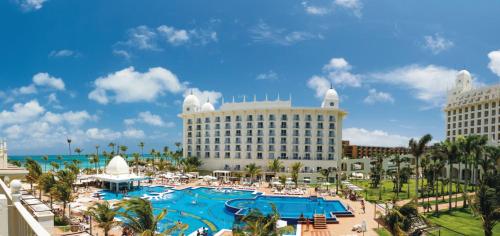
[(271, 125), (207, 154), (307, 148), (259, 148), (207, 127), (261, 118), (330, 156), (271, 140), (319, 141), (249, 125), (308, 133), (227, 140), (249, 140), (238, 125), (259, 155), (283, 125), (238, 132), (319, 133), (249, 147), (190, 148), (217, 126), (283, 148), (284, 117), (216, 148), (217, 119), (320, 125), (217, 155), (319, 149), (207, 120), (271, 132), (190, 121), (331, 134), (332, 126), (308, 118), (319, 156), (295, 148), (190, 134), (238, 140), (207, 140), (296, 117), (238, 148), (259, 140), (296, 133), (227, 155), (283, 132), (283, 140), (271, 117), (217, 140), (249, 132), (207, 134), (260, 132), (331, 149), (295, 156), (307, 156), (260, 125), (228, 133), (271, 155), (227, 148), (189, 154), (331, 118), (331, 141), (228, 118), (295, 141), (249, 155), (308, 125), (238, 118), (320, 117), (296, 125), (271, 148), (249, 118), (283, 156)]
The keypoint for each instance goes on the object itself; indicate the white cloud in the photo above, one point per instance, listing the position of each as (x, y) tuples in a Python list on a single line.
[(21, 113), (30, 5), (134, 133), (71, 117), (262, 32), (429, 83), (147, 118), (102, 134), (437, 43), (315, 10), (63, 53), (30, 89), (360, 136), (353, 5), (172, 35), (205, 95), (339, 72), (44, 79), (375, 96), (128, 85), (319, 84), (122, 53), (270, 75), (142, 37), (494, 63)]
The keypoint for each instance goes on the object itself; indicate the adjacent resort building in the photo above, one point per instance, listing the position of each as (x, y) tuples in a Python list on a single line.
[(472, 110), (240, 133)]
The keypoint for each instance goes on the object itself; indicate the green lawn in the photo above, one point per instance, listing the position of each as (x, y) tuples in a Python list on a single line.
[(383, 232), (440, 201), (372, 194), (461, 221)]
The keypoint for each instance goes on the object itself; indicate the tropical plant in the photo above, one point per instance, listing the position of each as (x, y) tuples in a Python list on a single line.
[(399, 219), (417, 149), (191, 163), (34, 171), (451, 151), (376, 171), (62, 191), (275, 166), (252, 170), (295, 172), (141, 145), (136, 157), (139, 216), (255, 223), (46, 182), (45, 159), (104, 215), (69, 145)]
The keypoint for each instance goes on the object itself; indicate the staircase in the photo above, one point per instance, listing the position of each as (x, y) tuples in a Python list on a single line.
[(319, 221)]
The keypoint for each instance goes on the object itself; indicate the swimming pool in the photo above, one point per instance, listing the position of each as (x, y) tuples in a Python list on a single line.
[(290, 208), (215, 209), (197, 207)]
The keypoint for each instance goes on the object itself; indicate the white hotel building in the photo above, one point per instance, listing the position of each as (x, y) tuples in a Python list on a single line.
[(240, 133), (472, 110)]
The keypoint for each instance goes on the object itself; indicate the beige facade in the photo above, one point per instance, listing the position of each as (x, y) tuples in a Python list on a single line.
[(472, 110), (240, 133)]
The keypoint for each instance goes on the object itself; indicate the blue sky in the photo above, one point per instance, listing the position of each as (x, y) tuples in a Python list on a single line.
[(117, 70)]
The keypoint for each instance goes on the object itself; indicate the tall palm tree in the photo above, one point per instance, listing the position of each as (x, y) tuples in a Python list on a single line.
[(104, 215), (136, 160), (95, 159), (69, 145), (326, 173), (417, 149), (191, 163), (257, 224), (295, 172), (397, 160), (438, 158), (112, 146), (141, 145), (124, 149), (451, 151), (275, 166), (62, 191), (45, 159), (46, 182), (252, 170), (424, 164), (139, 216), (34, 171)]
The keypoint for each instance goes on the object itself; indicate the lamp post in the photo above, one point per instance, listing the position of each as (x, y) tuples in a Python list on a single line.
[(337, 182)]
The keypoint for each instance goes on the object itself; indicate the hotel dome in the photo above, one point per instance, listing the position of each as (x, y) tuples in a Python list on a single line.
[(117, 166), (331, 99), (207, 106), (191, 103)]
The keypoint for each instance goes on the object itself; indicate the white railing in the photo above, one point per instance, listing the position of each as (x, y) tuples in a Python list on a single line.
[(20, 221)]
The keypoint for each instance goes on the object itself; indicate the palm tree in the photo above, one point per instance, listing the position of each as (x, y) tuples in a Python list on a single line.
[(191, 164), (326, 173), (69, 145), (46, 182), (437, 157), (34, 171), (424, 164), (95, 159), (257, 224), (397, 161), (141, 145), (112, 146), (451, 151), (63, 192), (417, 149), (54, 165), (275, 166), (136, 160), (295, 172), (124, 149), (45, 160), (252, 170), (139, 216), (104, 215)]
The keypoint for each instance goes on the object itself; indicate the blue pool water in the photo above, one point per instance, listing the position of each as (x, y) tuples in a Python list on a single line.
[(206, 207)]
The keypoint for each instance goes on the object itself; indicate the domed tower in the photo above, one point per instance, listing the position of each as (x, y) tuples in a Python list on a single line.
[(463, 82), (331, 99), (190, 104), (207, 106)]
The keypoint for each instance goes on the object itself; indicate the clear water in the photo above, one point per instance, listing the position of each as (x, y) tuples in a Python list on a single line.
[(291, 207), (200, 207), (84, 160)]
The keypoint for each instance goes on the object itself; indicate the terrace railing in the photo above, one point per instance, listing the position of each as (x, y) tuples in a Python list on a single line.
[(16, 219)]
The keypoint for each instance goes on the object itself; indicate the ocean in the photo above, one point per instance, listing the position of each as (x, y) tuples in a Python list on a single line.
[(84, 160)]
